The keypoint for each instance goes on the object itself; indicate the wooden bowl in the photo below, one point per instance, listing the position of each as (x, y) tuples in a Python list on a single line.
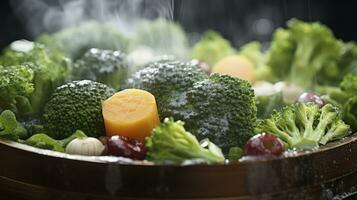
[(30, 173)]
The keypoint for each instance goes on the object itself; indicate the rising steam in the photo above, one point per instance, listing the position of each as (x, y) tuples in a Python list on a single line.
[(49, 16)]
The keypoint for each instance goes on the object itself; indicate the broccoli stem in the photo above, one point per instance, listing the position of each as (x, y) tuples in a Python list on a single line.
[(301, 72)]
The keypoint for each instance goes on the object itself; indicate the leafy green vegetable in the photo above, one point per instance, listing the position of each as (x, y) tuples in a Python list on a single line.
[(104, 66), (30, 77), (211, 48), (171, 142), (76, 40), (305, 125), (8, 123), (10, 128), (299, 53), (76, 106), (43, 141)]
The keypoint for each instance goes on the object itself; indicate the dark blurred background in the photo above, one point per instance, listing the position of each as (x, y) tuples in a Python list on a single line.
[(238, 20)]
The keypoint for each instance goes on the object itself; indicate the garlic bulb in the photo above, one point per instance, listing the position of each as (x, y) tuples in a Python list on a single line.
[(88, 146)]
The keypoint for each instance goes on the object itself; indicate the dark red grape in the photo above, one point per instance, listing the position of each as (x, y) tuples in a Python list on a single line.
[(126, 147), (311, 97), (264, 144)]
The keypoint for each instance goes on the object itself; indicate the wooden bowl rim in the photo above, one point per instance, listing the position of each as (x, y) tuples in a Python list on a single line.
[(127, 161)]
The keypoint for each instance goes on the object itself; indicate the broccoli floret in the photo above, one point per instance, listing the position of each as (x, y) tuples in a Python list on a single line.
[(169, 82), (103, 66), (45, 71), (346, 64), (76, 106), (299, 53), (16, 85), (305, 125), (76, 40), (349, 84), (349, 112), (10, 128), (171, 142), (222, 109), (211, 48), (344, 97)]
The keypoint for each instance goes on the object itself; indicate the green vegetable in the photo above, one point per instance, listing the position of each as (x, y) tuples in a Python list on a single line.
[(103, 66), (235, 153), (10, 128), (32, 125), (305, 125), (349, 112), (171, 142), (221, 108), (76, 106), (349, 84), (44, 141), (211, 48), (30, 77), (347, 64), (169, 82), (299, 53), (16, 85), (76, 40), (162, 36), (78, 134), (343, 97), (224, 110)]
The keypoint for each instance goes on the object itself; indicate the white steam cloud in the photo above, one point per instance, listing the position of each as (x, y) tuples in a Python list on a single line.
[(52, 15)]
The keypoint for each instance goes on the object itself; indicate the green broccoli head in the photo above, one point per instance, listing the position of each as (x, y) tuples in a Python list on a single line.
[(76, 106), (169, 82), (16, 85), (171, 142), (211, 48), (42, 70), (299, 53), (305, 125), (103, 66), (222, 109)]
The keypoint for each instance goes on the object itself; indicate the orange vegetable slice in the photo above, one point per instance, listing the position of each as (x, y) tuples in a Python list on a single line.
[(132, 113)]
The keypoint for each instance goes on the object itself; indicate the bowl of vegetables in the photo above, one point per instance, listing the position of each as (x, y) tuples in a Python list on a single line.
[(101, 119)]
